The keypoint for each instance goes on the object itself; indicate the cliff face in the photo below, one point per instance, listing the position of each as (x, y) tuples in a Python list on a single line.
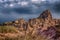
[(45, 24)]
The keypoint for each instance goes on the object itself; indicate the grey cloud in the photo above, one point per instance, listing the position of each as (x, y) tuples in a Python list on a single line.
[(57, 7), (30, 11), (17, 10), (22, 10)]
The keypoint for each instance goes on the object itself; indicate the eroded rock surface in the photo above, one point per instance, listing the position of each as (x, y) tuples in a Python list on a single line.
[(45, 24)]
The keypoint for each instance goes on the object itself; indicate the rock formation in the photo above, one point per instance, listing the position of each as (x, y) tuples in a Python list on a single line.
[(45, 24), (46, 15)]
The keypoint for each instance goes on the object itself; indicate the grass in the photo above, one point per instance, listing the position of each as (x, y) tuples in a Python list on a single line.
[(8, 29), (12, 29), (27, 37)]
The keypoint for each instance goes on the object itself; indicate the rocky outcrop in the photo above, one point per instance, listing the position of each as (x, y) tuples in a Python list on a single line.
[(46, 15), (44, 24)]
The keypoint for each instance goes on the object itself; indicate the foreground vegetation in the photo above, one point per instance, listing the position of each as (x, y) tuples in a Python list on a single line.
[(26, 37), (8, 29), (11, 29)]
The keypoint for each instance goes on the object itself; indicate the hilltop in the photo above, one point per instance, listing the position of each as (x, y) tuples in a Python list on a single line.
[(44, 25)]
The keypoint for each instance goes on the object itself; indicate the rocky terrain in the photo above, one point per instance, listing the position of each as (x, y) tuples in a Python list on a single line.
[(44, 25)]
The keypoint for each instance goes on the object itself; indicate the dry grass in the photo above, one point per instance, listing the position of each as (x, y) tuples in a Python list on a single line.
[(11, 29), (8, 29), (26, 37)]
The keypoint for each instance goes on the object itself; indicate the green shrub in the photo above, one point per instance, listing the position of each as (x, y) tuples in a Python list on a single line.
[(8, 29)]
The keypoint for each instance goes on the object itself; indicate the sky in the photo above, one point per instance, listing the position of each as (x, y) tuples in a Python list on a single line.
[(11, 10)]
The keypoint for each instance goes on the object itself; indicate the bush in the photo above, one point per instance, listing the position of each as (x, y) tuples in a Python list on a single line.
[(8, 29)]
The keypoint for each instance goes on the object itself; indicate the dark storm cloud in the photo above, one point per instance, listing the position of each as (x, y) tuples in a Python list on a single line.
[(53, 6), (5, 11), (29, 11), (35, 7), (57, 7), (22, 10)]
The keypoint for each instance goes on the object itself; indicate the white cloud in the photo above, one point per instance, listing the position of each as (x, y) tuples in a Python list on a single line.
[(43, 0), (34, 0), (37, 1), (1, 1), (10, 0), (23, 3), (11, 5)]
